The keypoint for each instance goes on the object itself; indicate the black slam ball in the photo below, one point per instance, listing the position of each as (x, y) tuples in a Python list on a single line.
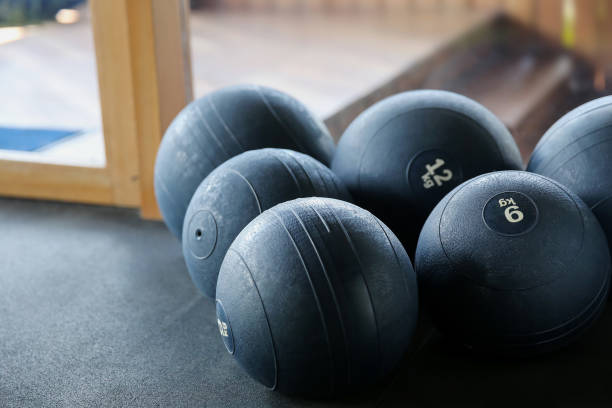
[(403, 154), (222, 125), (577, 152), (316, 296), (513, 262), (238, 191)]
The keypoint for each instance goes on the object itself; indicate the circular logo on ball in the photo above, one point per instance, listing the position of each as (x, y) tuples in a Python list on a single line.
[(433, 173), (510, 213), (225, 329), (202, 234)]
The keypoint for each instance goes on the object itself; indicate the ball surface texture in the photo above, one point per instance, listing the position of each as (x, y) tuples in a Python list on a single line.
[(577, 152), (221, 125), (403, 154), (316, 296), (238, 191), (512, 262)]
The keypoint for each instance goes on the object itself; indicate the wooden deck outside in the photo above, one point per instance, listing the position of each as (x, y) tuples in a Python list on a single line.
[(48, 78)]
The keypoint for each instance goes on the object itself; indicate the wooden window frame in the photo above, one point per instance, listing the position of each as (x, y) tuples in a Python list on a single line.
[(144, 78)]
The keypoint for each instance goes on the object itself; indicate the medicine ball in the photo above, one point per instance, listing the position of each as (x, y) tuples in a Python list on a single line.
[(577, 152), (403, 154), (316, 296), (512, 262), (222, 125), (239, 190)]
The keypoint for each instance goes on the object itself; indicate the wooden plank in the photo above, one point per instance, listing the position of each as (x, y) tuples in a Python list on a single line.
[(522, 10), (487, 4), (114, 59), (54, 182), (396, 5), (549, 18), (173, 56), (166, 70), (416, 73), (145, 90), (587, 40), (145, 79)]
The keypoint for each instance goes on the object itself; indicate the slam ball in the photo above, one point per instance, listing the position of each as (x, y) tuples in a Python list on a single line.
[(316, 296), (513, 262), (577, 152), (222, 125), (403, 154), (239, 190)]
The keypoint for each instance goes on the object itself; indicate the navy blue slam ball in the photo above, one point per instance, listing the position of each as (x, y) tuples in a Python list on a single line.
[(577, 152), (238, 191), (316, 296), (222, 125), (513, 262), (403, 154)]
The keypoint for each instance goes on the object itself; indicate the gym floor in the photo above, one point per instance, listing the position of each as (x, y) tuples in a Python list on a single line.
[(97, 308)]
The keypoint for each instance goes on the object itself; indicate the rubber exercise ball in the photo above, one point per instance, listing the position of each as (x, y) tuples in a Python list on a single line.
[(222, 125), (316, 296), (238, 191), (403, 154), (577, 152), (512, 262)]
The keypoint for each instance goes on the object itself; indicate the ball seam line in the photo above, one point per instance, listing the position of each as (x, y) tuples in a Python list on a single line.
[(332, 292), (556, 126), (278, 119), (316, 297), (203, 120), (600, 202), (313, 189), (250, 186), (399, 265), (225, 125), (297, 184), (274, 351), (571, 196), (598, 299), (365, 282), (543, 167)]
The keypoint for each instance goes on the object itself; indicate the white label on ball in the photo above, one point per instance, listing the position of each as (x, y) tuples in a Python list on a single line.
[(438, 179), (512, 213), (222, 328)]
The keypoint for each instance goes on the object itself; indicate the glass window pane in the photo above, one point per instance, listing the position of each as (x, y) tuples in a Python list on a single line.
[(50, 108)]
